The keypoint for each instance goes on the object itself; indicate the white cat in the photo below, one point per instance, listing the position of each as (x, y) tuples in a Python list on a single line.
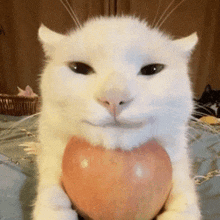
[(118, 83)]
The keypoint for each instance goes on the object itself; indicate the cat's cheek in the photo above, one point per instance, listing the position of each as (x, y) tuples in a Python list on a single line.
[(94, 112)]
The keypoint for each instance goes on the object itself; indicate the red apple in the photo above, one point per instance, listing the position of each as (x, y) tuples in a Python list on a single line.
[(116, 184)]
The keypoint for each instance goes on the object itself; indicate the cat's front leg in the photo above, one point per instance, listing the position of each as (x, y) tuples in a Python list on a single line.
[(52, 203), (182, 203)]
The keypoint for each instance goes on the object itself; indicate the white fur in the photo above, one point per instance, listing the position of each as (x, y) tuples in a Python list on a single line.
[(156, 106)]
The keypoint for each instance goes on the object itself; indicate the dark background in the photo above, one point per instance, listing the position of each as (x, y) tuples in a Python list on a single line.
[(21, 55)]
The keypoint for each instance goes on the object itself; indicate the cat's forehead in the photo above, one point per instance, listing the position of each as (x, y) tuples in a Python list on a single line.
[(123, 30), (118, 37)]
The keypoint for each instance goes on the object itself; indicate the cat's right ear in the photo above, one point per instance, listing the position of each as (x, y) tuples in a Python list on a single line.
[(49, 39), (187, 44)]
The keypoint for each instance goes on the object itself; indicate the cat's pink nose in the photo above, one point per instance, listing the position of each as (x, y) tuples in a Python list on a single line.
[(114, 107), (114, 102)]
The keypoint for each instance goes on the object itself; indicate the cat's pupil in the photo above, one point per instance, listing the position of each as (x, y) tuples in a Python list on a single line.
[(152, 69), (80, 68)]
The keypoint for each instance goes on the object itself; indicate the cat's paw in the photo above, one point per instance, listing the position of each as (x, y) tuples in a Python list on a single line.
[(53, 204), (46, 213), (172, 215)]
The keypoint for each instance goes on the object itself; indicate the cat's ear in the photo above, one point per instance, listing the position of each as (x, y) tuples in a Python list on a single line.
[(49, 39), (187, 44), (208, 88)]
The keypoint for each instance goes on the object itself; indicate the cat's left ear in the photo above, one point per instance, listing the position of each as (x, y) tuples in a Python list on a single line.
[(49, 39), (187, 44)]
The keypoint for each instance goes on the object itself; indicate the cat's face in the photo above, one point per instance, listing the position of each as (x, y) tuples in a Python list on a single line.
[(210, 96), (116, 81)]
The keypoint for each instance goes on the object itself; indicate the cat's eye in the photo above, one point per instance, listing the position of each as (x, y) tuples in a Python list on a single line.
[(80, 68), (152, 69)]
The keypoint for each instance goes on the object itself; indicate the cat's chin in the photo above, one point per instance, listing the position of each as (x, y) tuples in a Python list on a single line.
[(116, 135)]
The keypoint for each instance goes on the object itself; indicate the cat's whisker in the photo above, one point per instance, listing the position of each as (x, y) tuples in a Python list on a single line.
[(71, 13), (163, 14), (206, 126), (18, 123), (193, 138), (198, 133), (200, 113), (155, 18), (196, 119), (202, 124), (159, 25), (199, 105)]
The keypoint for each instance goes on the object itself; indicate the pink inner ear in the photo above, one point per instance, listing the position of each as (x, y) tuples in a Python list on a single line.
[(28, 92), (21, 92)]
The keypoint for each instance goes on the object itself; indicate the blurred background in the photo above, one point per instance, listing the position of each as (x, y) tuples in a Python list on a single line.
[(21, 55)]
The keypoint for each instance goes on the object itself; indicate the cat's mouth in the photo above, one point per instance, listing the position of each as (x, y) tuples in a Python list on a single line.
[(117, 124)]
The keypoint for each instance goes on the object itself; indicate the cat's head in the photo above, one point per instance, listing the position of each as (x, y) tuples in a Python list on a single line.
[(116, 81), (210, 96)]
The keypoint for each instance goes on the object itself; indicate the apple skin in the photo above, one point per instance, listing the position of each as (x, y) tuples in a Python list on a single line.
[(116, 184)]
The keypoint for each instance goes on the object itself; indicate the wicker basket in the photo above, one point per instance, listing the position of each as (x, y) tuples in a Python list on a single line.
[(18, 105)]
